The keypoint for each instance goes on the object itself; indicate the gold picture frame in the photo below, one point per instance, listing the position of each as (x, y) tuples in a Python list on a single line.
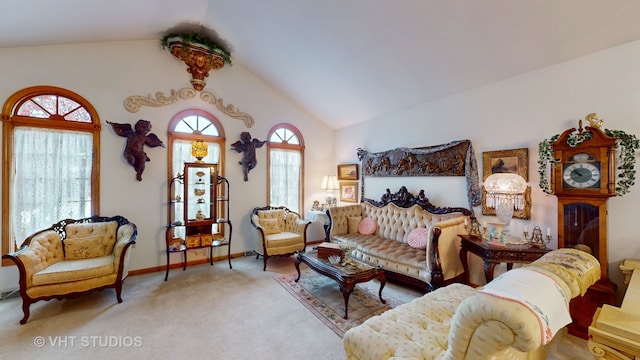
[(348, 172), (514, 161), (517, 214), (349, 191)]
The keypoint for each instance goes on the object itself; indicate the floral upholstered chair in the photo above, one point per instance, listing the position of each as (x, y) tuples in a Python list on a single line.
[(281, 231)]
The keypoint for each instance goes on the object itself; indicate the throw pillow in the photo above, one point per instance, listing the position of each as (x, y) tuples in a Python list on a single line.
[(367, 226), (87, 247), (418, 237), (270, 226), (354, 222)]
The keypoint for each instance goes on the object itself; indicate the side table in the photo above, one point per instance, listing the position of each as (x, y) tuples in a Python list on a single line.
[(493, 255), (322, 217)]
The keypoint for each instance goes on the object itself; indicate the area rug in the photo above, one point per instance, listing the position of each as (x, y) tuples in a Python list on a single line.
[(322, 296)]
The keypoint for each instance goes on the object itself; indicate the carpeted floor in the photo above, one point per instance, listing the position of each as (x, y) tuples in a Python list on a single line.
[(205, 312)]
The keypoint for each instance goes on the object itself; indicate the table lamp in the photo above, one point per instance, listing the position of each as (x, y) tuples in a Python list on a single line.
[(505, 192), (330, 183)]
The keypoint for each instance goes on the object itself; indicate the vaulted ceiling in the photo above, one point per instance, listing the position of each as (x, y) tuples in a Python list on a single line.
[(349, 61)]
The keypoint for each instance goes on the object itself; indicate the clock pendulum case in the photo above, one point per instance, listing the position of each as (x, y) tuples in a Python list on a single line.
[(583, 180)]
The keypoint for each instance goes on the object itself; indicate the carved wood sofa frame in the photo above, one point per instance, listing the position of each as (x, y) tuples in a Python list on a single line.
[(59, 228), (405, 199)]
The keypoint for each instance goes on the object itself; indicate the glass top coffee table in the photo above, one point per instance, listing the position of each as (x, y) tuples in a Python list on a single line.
[(348, 273)]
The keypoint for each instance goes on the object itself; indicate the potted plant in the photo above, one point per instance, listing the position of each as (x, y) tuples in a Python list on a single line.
[(199, 52)]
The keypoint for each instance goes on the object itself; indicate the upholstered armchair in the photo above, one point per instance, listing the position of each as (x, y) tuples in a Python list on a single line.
[(281, 231)]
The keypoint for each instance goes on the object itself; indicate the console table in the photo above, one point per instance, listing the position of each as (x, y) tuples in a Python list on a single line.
[(493, 255)]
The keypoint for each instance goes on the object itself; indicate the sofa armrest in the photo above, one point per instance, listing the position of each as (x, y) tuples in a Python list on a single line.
[(125, 237), (301, 226), (40, 250), (339, 218), (489, 325), (443, 248)]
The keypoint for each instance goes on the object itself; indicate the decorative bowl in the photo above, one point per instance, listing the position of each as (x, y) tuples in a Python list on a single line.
[(199, 192), (200, 173), (334, 259)]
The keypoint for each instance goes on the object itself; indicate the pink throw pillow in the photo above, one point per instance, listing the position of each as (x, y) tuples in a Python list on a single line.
[(367, 226), (417, 238)]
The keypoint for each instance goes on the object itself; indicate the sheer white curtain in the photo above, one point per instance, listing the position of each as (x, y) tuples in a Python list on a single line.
[(181, 155), (52, 178), (285, 170)]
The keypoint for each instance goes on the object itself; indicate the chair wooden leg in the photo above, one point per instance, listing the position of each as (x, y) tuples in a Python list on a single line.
[(25, 310), (265, 262)]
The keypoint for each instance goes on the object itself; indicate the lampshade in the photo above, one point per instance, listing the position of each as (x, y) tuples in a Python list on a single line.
[(330, 182), (505, 192), (505, 186), (199, 149)]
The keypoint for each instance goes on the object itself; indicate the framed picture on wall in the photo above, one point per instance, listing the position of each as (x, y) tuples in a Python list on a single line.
[(514, 161), (349, 191), (348, 172)]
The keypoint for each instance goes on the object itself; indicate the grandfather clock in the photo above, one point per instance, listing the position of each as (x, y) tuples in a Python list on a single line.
[(583, 180)]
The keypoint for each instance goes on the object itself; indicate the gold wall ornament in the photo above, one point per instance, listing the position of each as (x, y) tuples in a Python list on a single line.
[(199, 59), (228, 109), (593, 120), (135, 102)]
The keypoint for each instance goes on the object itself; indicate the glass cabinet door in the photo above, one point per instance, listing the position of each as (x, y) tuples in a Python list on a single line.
[(200, 184)]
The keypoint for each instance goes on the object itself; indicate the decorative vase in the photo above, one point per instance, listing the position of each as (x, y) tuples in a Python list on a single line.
[(199, 59)]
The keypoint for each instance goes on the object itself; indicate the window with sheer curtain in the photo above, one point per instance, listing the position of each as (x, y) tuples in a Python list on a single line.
[(184, 128), (286, 163), (52, 174)]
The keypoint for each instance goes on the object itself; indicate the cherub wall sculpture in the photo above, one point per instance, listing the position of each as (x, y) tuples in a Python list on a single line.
[(136, 140), (247, 146)]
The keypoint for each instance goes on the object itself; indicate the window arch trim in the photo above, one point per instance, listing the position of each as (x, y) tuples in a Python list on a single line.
[(10, 120)]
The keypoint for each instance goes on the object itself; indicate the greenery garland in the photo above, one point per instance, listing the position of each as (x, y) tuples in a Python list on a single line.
[(626, 174), (193, 37)]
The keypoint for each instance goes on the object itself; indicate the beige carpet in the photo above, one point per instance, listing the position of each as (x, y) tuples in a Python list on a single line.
[(205, 312)]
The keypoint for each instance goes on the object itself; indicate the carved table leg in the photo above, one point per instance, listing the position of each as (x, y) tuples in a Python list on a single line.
[(383, 282), (346, 292), (488, 270), (297, 263), (465, 264)]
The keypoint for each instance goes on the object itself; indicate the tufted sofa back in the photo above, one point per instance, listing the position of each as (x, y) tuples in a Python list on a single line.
[(393, 222), (396, 222)]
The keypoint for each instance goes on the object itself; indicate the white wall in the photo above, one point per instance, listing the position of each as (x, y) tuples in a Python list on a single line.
[(515, 113), (107, 73)]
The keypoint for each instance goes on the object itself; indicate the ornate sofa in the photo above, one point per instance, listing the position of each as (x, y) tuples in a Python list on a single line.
[(515, 316), (73, 258), (281, 232), (395, 216)]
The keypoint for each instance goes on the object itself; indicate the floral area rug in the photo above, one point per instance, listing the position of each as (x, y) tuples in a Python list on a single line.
[(322, 296)]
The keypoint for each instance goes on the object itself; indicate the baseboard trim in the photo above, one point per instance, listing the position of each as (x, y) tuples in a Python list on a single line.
[(179, 264)]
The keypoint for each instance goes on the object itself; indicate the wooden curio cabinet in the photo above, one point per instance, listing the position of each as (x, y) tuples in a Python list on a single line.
[(198, 210)]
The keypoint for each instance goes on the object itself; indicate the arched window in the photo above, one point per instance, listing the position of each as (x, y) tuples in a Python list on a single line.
[(186, 127), (52, 137), (285, 153)]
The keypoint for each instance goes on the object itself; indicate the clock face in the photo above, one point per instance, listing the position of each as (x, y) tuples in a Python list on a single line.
[(581, 175)]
